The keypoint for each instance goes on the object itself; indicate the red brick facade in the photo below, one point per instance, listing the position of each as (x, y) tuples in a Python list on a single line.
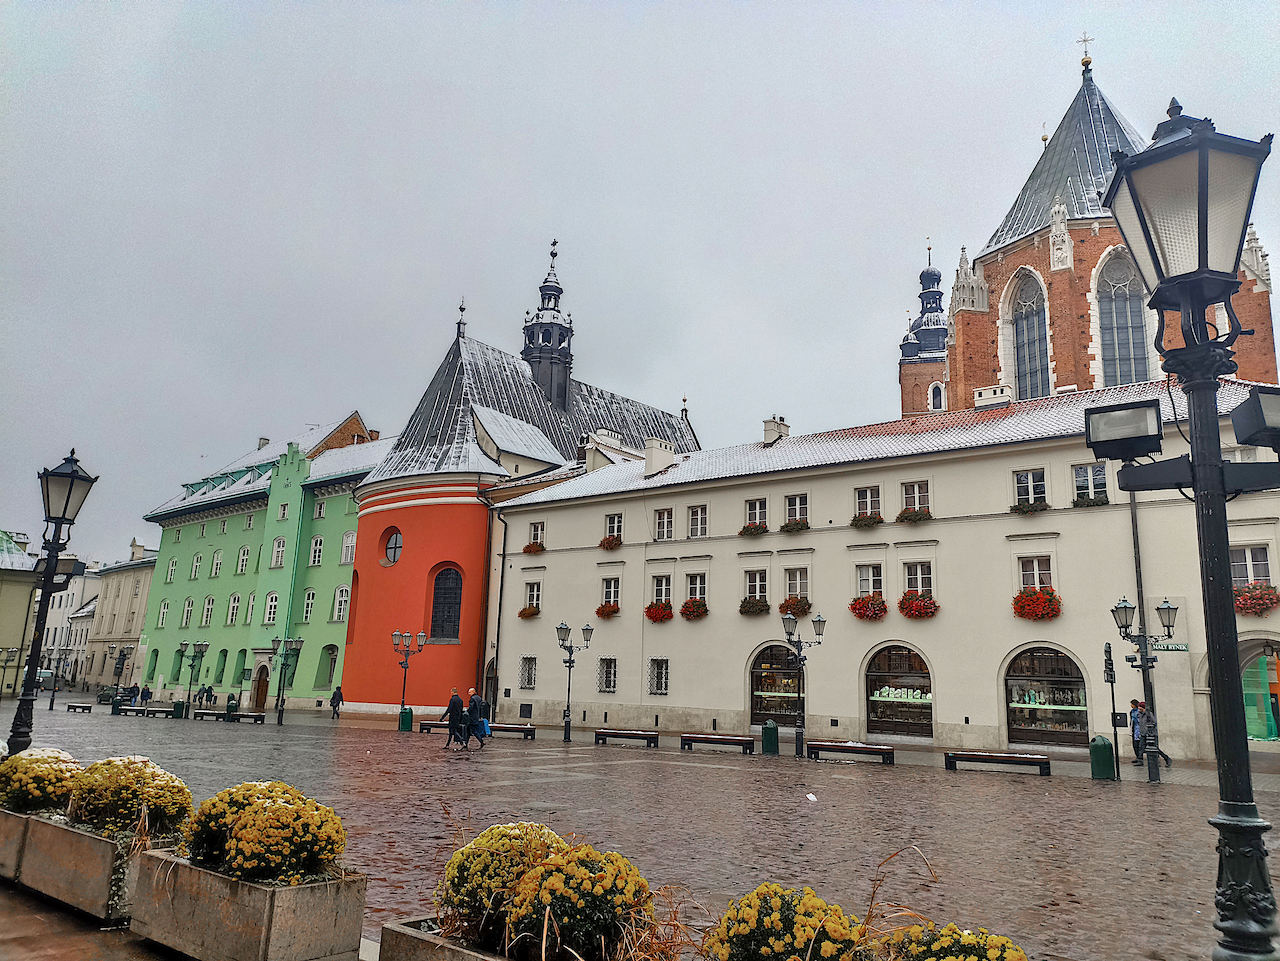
[(914, 381)]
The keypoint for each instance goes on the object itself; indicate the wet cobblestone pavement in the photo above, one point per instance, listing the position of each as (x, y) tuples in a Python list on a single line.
[(1070, 868)]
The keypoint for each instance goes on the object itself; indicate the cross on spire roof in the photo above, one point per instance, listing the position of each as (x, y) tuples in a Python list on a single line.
[(462, 318)]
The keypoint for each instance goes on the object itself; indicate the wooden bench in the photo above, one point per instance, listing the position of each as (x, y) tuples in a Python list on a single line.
[(527, 731), (950, 758), (159, 711), (204, 714), (238, 716), (650, 738), (744, 741), (430, 727), (128, 711), (81, 708), (882, 751)]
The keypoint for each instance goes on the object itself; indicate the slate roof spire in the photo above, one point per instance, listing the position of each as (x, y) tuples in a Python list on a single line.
[(548, 340), (1075, 164)]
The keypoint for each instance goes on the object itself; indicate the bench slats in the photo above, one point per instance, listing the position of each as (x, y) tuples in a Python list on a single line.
[(1041, 761), (690, 738), (883, 751), (650, 738)]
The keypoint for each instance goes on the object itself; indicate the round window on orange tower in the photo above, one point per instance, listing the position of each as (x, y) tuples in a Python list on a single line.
[(392, 546)]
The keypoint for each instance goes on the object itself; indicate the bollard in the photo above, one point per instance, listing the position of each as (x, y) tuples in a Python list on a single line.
[(769, 737), (1102, 759), (406, 719), (115, 704)]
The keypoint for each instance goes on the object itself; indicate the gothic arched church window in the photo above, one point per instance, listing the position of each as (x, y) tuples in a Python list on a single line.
[(446, 604), (1121, 324), (1030, 340)]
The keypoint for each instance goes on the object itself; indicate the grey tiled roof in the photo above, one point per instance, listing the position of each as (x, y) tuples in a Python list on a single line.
[(440, 436), (1022, 421), (514, 436), (1075, 166)]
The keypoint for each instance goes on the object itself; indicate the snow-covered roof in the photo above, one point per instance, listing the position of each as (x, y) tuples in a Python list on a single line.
[(86, 609), (12, 557), (440, 437), (514, 436), (1020, 422), (307, 441), (349, 461)]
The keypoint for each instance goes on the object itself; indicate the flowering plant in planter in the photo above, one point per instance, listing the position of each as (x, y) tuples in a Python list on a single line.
[(785, 923), (753, 606), (910, 515), (38, 779), (129, 794), (1098, 501), (913, 604), (606, 611), (1037, 603), (527, 612), (1028, 507), (869, 607), (863, 521), (928, 942), (799, 606), (753, 530), (794, 527), (694, 609), (534, 547), (1257, 599), (659, 611), (610, 542)]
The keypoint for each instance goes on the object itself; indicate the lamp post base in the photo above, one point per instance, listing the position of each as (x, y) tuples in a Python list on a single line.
[(20, 734), (1245, 902)]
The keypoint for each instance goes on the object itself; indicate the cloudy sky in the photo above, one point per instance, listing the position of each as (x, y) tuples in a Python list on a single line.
[(221, 221)]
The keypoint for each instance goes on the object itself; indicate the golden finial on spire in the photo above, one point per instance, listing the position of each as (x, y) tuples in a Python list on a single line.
[(1044, 136), (929, 247), (1084, 41)]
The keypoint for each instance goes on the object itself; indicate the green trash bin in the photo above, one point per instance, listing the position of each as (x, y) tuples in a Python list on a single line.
[(769, 738), (179, 709), (233, 706), (1102, 759), (406, 719), (115, 704)]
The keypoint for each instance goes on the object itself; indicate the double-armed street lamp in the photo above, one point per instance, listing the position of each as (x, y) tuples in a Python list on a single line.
[(403, 642), (123, 656), (286, 651), (10, 655), (1144, 661), (563, 636), (798, 646), (64, 489), (194, 660), (1183, 207)]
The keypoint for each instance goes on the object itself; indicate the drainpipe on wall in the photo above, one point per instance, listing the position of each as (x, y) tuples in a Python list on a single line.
[(502, 581)]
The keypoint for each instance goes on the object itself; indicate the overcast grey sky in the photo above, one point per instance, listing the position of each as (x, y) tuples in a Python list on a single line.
[(220, 221)]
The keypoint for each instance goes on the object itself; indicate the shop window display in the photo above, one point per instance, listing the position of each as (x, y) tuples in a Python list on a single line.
[(899, 695), (777, 688), (1046, 699)]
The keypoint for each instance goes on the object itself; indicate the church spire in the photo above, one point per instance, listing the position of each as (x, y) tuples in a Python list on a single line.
[(462, 318), (548, 339), (551, 289)]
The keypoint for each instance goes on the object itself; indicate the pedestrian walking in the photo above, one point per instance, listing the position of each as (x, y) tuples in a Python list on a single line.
[(455, 712), (146, 695), (1150, 730), (133, 695), (1135, 729), (335, 701), (475, 716)]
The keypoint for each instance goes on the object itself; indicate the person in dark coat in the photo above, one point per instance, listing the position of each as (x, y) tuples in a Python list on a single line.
[(133, 694), (336, 700), (1135, 727), (456, 712), (475, 716)]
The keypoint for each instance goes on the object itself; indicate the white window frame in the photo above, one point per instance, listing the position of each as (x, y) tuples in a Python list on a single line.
[(537, 532), (915, 495), (607, 675), (348, 548), (341, 603), (248, 522), (173, 569), (1090, 488), (756, 584), (798, 507), (284, 511), (222, 526), (215, 566), (696, 585), (163, 615), (659, 676), (233, 608), (195, 565), (698, 520), (866, 500), (317, 550), (206, 612), (869, 579), (270, 607), (1255, 559), (188, 606), (611, 590), (1030, 486), (756, 510), (613, 525), (796, 580), (664, 525), (277, 552), (1035, 570), (248, 608), (528, 673), (202, 527), (918, 576), (661, 588), (308, 604), (319, 511), (177, 535), (533, 594), (242, 561)]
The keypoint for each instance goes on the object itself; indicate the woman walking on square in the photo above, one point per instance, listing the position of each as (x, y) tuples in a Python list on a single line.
[(335, 701), (1135, 728), (475, 716)]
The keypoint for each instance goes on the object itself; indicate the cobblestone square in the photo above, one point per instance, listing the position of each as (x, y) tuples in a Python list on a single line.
[(1071, 868)]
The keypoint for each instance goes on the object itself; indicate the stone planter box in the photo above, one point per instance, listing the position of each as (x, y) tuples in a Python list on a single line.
[(212, 917), (77, 868), (13, 835), (405, 940)]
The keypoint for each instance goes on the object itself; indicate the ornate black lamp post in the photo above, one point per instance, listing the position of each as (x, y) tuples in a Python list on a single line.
[(10, 656), (287, 651), (64, 488), (793, 638), (563, 632), (1183, 206), (57, 672), (120, 660), (403, 642), (1143, 661), (193, 661)]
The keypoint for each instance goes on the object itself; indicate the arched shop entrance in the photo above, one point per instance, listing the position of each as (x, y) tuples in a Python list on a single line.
[(777, 687), (1260, 689), (899, 695), (260, 684), (1044, 690)]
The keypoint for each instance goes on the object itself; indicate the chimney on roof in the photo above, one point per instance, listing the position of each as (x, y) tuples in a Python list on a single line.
[(775, 428), (136, 550), (373, 434), (263, 442), (658, 455), (997, 395)]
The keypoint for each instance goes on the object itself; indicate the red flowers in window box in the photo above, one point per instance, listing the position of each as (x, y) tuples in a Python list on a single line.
[(1257, 599), (610, 542), (606, 611), (910, 515), (869, 607), (659, 611), (1037, 603), (694, 609), (915, 605), (534, 547), (753, 530), (753, 606), (527, 612), (799, 606), (863, 521), (794, 527)]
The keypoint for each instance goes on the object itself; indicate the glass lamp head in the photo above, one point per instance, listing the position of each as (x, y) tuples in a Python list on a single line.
[(819, 625), (422, 639), (562, 633), (1167, 613), (1123, 613), (64, 489), (587, 631), (789, 624)]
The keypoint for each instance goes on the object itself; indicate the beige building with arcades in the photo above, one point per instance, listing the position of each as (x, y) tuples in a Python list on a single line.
[(974, 675)]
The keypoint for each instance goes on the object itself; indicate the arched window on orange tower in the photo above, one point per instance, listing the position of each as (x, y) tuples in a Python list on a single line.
[(446, 603)]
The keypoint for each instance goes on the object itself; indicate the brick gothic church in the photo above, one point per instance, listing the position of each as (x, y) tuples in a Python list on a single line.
[(1053, 303)]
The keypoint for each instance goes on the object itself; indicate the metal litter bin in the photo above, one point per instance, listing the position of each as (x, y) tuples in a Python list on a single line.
[(179, 710), (769, 737), (1102, 759), (406, 719), (115, 704)]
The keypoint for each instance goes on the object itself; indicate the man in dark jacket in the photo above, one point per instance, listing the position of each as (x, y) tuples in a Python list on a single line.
[(475, 716), (457, 714)]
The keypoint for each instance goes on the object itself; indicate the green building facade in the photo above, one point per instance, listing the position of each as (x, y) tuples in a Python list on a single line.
[(261, 549)]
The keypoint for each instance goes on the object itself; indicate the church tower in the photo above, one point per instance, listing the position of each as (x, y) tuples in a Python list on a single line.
[(923, 365), (548, 341)]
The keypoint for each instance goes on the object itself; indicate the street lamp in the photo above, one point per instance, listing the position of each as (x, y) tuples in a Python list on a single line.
[(1143, 661), (403, 642), (120, 659), (10, 655), (1183, 206), (57, 671), (193, 661), (563, 635), (64, 489), (793, 638), (292, 646)]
